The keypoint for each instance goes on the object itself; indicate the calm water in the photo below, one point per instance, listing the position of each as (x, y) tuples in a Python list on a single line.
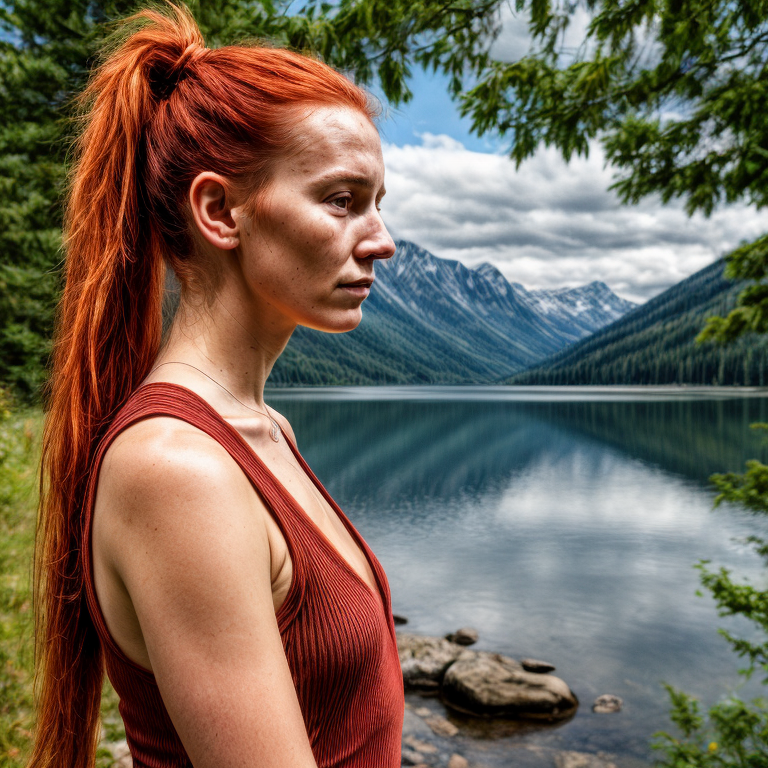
[(561, 523)]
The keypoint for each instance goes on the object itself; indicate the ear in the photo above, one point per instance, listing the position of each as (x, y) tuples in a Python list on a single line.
[(212, 210)]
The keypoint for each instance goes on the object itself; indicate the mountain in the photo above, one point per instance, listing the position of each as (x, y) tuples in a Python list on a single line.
[(654, 343), (589, 307), (433, 320)]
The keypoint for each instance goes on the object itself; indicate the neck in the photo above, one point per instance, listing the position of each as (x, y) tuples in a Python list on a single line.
[(231, 340)]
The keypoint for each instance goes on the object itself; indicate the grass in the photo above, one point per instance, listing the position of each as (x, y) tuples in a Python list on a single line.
[(20, 430)]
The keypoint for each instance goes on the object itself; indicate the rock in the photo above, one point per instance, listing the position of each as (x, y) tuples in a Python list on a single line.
[(415, 726), (457, 761), (423, 711), (423, 747), (463, 636), (534, 665), (425, 659), (484, 683), (441, 726), (398, 619), (409, 757), (581, 760), (607, 703)]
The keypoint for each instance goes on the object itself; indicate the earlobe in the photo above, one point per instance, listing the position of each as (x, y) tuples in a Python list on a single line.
[(212, 212)]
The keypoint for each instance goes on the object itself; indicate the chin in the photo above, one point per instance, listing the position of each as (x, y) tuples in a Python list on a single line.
[(337, 322)]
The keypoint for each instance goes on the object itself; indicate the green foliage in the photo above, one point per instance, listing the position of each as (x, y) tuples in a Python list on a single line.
[(748, 262), (20, 428), (734, 734), (749, 489), (18, 439), (676, 92), (743, 599)]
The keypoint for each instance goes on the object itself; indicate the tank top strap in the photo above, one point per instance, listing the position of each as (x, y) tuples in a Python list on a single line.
[(174, 400)]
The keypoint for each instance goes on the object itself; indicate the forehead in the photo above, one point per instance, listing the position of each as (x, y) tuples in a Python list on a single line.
[(330, 139)]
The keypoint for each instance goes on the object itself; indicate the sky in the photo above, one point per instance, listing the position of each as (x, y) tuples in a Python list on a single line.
[(547, 224)]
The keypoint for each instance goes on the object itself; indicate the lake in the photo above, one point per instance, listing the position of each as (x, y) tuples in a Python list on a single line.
[(562, 523)]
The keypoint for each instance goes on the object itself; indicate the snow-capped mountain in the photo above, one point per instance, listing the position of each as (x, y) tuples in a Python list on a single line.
[(433, 320), (590, 307)]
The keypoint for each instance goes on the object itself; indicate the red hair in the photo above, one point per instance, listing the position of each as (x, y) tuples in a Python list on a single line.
[(160, 109)]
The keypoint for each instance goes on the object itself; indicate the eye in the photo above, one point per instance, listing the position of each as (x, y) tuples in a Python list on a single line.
[(343, 202)]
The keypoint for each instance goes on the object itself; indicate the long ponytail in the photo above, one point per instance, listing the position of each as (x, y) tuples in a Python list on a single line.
[(108, 333), (160, 109)]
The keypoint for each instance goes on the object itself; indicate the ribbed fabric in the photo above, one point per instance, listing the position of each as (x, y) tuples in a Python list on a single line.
[(338, 636)]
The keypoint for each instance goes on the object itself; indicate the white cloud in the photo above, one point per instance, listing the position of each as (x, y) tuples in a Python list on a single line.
[(549, 224), (514, 40)]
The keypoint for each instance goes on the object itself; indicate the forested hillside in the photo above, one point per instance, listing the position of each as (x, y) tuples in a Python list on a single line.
[(654, 344)]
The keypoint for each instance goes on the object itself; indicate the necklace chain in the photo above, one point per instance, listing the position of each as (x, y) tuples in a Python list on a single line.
[(275, 430)]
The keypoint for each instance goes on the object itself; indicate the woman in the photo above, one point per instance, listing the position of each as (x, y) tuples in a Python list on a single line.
[(184, 544)]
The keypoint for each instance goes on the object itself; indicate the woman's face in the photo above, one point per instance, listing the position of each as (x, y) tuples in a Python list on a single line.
[(309, 251)]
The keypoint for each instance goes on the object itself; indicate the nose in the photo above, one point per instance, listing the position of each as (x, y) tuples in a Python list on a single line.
[(377, 242)]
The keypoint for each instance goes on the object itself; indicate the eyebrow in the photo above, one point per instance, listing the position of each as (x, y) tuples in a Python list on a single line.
[(348, 178)]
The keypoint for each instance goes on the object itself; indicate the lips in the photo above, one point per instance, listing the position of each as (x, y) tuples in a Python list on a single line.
[(365, 282)]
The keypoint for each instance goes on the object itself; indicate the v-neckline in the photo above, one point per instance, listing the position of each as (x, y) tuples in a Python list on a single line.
[(377, 594)]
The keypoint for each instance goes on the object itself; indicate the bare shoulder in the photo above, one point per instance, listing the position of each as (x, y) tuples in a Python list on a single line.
[(162, 475), (163, 456)]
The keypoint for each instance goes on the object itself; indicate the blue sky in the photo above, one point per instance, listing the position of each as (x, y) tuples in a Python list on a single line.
[(548, 224), (430, 111)]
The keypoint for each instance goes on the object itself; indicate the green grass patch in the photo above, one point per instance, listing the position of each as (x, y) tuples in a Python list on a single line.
[(19, 452), (20, 431)]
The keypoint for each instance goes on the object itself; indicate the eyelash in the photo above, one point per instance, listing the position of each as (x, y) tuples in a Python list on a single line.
[(348, 200)]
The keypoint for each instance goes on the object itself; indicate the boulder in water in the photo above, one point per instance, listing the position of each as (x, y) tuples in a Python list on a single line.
[(463, 636), (424, 659), (483, 683), (607, 703)]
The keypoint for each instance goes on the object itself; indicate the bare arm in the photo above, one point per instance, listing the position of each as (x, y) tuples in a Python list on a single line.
[(185, 533)]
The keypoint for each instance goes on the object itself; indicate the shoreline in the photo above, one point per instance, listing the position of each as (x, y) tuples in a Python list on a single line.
[(512, 393)]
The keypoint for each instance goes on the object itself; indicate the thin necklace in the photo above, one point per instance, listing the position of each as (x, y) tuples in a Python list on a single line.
[(274, 431)]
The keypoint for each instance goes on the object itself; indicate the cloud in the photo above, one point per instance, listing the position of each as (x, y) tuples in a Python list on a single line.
[(550, 224), (514, 40)]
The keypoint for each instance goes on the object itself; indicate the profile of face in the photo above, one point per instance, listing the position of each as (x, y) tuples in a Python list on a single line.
[(307, 255)]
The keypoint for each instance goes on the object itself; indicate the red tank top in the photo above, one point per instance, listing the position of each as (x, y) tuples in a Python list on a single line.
[(338, 636)]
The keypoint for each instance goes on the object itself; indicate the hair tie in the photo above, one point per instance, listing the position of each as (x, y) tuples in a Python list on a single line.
[(192, 53)]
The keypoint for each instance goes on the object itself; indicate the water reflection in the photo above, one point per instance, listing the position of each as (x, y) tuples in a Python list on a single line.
[(412, 449), (560, 529)]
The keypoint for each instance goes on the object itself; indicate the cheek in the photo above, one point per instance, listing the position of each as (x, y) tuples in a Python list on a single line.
[(324, 231), (315, 246)]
